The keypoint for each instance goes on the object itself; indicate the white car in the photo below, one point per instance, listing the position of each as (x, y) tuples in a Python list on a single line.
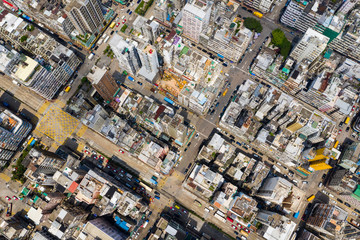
[(196, 135)]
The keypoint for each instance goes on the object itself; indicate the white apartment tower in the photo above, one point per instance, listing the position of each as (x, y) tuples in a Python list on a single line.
[(86, 16), (195, 16), (310, 46), (260, 5), (347, 6), (275, 189)]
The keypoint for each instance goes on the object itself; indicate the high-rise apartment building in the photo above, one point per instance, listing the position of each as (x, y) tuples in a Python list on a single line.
[(230, 43), (195, 17), (347, 6), (275, 226), (275, 189), (348, 41), (301, 15), (53, 65), (100, 228), (260, 5), (103, 82), (12, 132), (137, 59), (327, 219), (86, 16), (310, 46)]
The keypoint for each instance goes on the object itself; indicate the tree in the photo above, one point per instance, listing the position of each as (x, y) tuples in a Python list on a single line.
[(253, 24), (285, 48), (23, 38), (84, 80), (278, 37), (30, 27)]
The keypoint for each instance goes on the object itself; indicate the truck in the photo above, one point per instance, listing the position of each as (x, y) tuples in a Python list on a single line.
[(112, 25), (130, 78), (91, 56), (100, 42)]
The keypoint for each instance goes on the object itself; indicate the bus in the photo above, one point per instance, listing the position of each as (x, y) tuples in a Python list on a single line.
[(147, 188), (169, 100), (198, 203), (336, 144), (311, 198), (112, 25), (220, 218), (347, 120), (258, 14)]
